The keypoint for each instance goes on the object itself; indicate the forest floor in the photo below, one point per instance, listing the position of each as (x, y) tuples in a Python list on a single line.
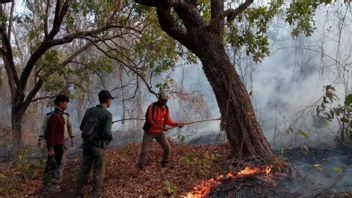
[(194, 171)]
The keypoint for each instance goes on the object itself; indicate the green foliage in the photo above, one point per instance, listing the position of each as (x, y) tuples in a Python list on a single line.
[(338, 170), (201, 165), (300, 15), (342, 113), (303, 134), (155, 48), (249, 30), (170, 187), (27, 167), (165, 85), (181, 139)]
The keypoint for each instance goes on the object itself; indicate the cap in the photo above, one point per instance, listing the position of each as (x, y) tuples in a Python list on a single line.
[(61, 98), (104, 95), (163, 95)]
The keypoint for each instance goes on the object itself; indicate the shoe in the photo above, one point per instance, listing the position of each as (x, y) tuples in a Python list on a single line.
[(56, 181), (140, 166), (163, 164), (52, 189)]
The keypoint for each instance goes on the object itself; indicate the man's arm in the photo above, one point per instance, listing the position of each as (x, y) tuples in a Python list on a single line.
[(69, 126), (43, 131), (107, 135), (169, 121)]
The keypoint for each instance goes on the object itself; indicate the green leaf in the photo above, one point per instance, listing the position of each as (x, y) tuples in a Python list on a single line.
[(348, 100), (303, 134), (338, 170)]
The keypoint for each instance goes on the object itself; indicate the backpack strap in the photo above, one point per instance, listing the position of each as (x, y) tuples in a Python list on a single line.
[(153, 111)]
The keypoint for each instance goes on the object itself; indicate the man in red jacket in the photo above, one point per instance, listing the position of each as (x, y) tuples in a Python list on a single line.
[(157, 117), (55, 140)]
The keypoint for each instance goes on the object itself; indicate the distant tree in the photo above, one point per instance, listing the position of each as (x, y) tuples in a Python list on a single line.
[(34, 44)]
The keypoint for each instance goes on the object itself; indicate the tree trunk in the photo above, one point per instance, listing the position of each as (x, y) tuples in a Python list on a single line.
[(16, 121), (238, 117)]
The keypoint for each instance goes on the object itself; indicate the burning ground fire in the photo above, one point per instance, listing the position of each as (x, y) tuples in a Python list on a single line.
[(205, 187)]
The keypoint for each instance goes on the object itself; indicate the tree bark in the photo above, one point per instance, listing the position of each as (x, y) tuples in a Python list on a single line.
[(238, 116), (16, 121)]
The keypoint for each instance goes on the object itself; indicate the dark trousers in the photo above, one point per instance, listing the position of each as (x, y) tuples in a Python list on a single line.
[(53, 164), (92, 156), (147, 140)]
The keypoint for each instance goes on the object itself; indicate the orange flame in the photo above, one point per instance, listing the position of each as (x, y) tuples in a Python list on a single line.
[(204, 188)]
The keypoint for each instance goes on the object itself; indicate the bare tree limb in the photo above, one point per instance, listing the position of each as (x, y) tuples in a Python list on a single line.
[(10, 21), (5, 1), (125, 65), (46, 18), (31, 95), (66, 39), (231, 14), (8, 56)]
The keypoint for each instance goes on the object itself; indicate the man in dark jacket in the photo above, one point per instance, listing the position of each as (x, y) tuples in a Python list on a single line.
[(55, 140), (94, 150)]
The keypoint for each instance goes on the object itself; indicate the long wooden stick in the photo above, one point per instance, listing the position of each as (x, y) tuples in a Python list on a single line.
[(186, 123), (127, 119), (199, 121)]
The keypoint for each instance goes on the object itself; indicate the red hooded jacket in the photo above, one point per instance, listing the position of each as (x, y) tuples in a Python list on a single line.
[(160, 120)]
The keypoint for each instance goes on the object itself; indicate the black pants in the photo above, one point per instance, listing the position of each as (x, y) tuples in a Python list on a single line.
[(54, 162)]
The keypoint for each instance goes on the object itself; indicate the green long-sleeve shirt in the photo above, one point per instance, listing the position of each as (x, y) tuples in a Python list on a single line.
[(104, 135)]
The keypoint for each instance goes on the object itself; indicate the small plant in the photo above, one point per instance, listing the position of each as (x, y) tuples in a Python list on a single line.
[(170, 187), (181, 139), (201, 166), (342, 113)]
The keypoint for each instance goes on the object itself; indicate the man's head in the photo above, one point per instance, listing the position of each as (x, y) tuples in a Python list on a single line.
[(105, 97), (61, 102), (163, 97)]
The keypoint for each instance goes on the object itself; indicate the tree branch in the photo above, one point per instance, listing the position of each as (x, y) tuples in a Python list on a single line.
[(31, 95), (50, 43), (10, 21), (150, 3), (125, 65), (60, 14), (217, 7), (46, 18), (231, 14), (5, 1), (168, 24)]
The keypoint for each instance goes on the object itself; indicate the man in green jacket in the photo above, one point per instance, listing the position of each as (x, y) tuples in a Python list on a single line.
[(94, 149)]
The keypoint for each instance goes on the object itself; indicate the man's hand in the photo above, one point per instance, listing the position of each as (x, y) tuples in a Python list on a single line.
[(72, 141), (51, 151), (180, 125)]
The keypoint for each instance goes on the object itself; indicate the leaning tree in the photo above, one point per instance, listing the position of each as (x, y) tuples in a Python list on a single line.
[(182, 20), (200, 26)]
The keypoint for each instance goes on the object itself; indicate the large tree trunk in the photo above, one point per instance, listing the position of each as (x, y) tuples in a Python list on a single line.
[(238, 117), (16, 123)]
